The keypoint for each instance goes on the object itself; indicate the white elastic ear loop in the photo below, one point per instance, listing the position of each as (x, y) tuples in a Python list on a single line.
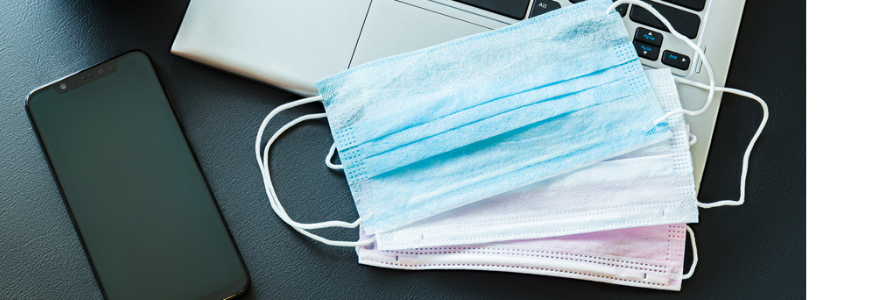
[(748, 148), (329, 163), (694, 254), (263, 162), (688, 42), (692, 138), (709, 98)]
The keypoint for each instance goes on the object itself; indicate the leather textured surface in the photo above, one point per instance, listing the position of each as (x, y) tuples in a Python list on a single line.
[(756, 251)]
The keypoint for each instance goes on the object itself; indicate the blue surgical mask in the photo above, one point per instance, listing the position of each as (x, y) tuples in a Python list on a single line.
[(428, 131), (437, 129)]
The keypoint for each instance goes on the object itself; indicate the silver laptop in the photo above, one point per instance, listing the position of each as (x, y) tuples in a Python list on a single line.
[(293, 44)]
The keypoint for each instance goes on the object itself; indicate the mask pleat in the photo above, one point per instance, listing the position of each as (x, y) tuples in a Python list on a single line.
[(495, 126), (508, 161)]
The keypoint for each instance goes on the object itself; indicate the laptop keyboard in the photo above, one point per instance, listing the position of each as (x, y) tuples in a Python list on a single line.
[(647, 38)]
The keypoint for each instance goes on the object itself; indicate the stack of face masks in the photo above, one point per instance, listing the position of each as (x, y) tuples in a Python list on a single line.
[(540, 148)]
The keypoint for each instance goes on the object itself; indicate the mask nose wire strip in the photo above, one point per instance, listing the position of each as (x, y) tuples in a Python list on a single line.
[(688, 42), (263, 162), (748, 148), (329, 163), (694, 254)]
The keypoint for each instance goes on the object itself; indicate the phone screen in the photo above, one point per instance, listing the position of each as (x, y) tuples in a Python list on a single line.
[(143, 210)]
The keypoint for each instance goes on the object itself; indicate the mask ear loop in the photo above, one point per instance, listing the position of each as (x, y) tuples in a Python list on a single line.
[(263, 162), (682, 38), (329, 163), (746, 154), (694, 254), (692, 138)]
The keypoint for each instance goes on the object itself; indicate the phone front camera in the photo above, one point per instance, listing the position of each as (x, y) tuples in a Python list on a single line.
[(63, 86)]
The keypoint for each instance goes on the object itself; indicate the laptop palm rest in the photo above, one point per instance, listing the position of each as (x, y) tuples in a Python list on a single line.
[(394, 27)]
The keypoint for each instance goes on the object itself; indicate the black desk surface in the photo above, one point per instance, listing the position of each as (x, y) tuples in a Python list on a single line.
[(757, 250)]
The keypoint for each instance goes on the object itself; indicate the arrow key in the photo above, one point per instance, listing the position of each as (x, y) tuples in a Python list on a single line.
[(676, 60), (646, 50)]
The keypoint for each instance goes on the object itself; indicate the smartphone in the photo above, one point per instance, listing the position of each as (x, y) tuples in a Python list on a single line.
[(140, 203)]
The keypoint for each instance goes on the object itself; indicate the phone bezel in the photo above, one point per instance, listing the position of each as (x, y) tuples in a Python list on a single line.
[(229, 292)]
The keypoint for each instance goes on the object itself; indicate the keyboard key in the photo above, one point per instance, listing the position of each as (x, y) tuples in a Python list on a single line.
[(691, 4), (544, 6), (648, 36), (622, 9), (646, 50), (676, 60), (509, 8), (684, 22)]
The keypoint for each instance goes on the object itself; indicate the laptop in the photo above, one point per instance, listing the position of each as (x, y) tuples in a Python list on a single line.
[(293, 44)]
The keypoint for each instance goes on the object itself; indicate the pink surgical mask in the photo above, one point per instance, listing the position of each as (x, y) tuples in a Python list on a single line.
[(648, 257)]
